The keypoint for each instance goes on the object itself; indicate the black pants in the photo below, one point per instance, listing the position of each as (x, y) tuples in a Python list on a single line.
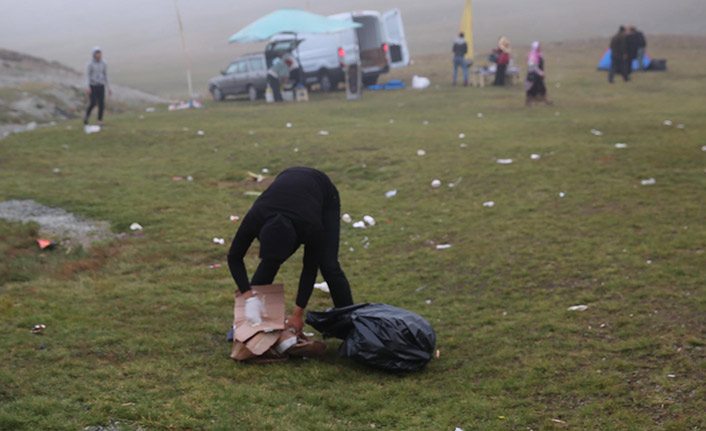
[(500, 74), (97, 98), (274, 84), (618, 65), (328, 265)]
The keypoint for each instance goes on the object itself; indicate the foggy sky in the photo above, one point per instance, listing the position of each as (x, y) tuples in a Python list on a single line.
[(140, 38)]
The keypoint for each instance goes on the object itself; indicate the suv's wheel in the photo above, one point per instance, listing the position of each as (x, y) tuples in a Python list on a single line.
[(217, 94), (325, 81), (252, 93)]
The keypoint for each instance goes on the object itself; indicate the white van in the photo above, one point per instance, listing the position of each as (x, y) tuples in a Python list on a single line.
[(378, 46)]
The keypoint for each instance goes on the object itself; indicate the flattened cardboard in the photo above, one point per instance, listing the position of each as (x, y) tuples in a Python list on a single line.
[(262, 341), (240, 352), (272, 297)]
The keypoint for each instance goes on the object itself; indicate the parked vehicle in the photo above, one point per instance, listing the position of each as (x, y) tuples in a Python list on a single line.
[(378, 46), (245, 75)]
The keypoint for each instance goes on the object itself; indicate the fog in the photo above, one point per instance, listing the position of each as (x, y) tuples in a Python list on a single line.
[(141, 42)]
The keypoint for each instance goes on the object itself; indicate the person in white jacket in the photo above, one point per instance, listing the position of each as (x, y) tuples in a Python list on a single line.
[(96, 82)]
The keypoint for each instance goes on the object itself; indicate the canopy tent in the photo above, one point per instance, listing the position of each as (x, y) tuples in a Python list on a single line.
[(290, 21), (467, 30), (605, 62)]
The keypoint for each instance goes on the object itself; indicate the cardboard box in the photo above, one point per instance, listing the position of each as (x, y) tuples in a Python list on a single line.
[(272, 297)]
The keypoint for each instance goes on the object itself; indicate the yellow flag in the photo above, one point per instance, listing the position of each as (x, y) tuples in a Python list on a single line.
[(467, 29)]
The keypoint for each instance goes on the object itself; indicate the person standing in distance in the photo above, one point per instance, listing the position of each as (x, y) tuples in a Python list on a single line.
[(96, 83), (301, 206), (460, 48)]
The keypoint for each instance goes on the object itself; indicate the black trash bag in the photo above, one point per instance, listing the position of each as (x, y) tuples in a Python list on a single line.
[(378, 335)]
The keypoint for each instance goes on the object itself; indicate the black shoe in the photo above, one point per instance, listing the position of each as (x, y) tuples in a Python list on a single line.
[(85, 121)]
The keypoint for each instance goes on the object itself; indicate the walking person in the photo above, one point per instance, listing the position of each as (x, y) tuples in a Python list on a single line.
[(275, 74), (631, 47), (502, 59), (535, 88), (96, 81), (301, 206), (460, 48), (618, 56)]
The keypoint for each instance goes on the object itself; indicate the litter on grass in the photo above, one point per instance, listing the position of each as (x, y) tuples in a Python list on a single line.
[(504, 161), (392, 121), (214, 266), (428, 301), (443, 246), (91, 129), (648, 182), (359, 224), (561, 194), (455, 183), (621, 145), (200, 132), (703, 148), (135, 226), (420, 82), (391, 193), (680, 126), (535, 156), (596, 132), (322, 287), (234, 218), (43, 243), (256, 177), (436, 183), (667, 122), (150, 109), (252, 193), (323, 132), (461, 135), (425, 122), (178, 106), (421, 152), (369, 220), (346, 218), (220, 241), (578, 308), (288, 125), (38, 328), (489, 204), (559, 421), (480, 115), (463, 145)]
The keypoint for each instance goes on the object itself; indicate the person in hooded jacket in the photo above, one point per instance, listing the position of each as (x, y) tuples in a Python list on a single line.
[(96, 82), (502, 60), (460, 48), (535, 88), (301, 206)]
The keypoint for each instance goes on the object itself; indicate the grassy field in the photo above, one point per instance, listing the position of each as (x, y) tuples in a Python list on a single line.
[(136, 327)]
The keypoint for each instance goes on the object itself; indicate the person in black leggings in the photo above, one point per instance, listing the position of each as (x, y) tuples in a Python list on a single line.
[(96, 82), (301, 206)]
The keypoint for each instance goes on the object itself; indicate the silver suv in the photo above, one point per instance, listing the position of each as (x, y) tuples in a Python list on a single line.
[(245, 75)]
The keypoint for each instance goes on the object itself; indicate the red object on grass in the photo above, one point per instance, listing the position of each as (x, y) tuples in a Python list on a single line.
[(43, 243)]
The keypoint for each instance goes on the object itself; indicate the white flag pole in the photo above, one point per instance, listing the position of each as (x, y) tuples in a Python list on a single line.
[(186, 53)]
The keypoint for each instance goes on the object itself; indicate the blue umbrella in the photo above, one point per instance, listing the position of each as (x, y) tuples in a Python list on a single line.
[(290, 21)]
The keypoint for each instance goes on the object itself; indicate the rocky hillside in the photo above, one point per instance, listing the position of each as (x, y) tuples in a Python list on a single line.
[(33, 90)]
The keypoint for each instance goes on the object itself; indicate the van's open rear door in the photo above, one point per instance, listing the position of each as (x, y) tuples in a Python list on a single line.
[(396, 42)]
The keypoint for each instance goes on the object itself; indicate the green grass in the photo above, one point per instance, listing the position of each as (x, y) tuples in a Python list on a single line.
[(135, 328)]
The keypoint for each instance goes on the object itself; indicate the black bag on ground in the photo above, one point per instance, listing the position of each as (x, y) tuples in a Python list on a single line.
[(378, 335)]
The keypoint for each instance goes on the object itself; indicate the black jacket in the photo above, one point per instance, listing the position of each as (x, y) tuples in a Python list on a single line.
[(460, 48)]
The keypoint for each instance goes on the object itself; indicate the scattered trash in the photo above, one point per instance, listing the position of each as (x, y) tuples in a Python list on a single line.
[(322, 287), (31, 126), (425, 122), (671, 376), (561, 194), (391, 193), (392, 121), (535, 156), (369, 220), (435, 183), (443, 246), (178, 106), (91, 129), (150, 109), (43, 243), (667, 123), (251, 132), (649, 262), (220, 241), (557, 113), (323, 132), (200, 132), (680, 126), (480, 115), (189, 178), (234, 218), (252, 193), (346, 218), (428, 301), (596, 132), (56, 170), (351, 249), (296, 149), (288, 125), (214, 266), (577, 308), (559, 421), (256, 177), (135, 226), (438, 353), (420, 82), (504, 161), (463, 145), (38, 328), (703, 148), (458, 429), (177, 179), (621, 145), (648, 182), (461, 135), (359, 224), (489, 204), (421, 152), (455, 183)]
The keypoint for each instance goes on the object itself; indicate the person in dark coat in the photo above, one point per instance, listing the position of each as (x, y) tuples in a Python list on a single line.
[(618, 56), (641, 47), (460, 48), (632, 44), (301, 206)]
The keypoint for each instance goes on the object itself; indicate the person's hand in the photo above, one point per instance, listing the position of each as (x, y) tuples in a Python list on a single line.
[(88, 90), (253, 310), (296, 320)]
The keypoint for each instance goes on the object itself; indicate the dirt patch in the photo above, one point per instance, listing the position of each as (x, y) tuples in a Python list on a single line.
[(61, 226)]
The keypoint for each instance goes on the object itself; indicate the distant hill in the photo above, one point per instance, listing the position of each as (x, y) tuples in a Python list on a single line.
[(35, 90)]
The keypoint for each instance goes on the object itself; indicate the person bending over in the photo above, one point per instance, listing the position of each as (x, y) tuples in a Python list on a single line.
[(301, 206)]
